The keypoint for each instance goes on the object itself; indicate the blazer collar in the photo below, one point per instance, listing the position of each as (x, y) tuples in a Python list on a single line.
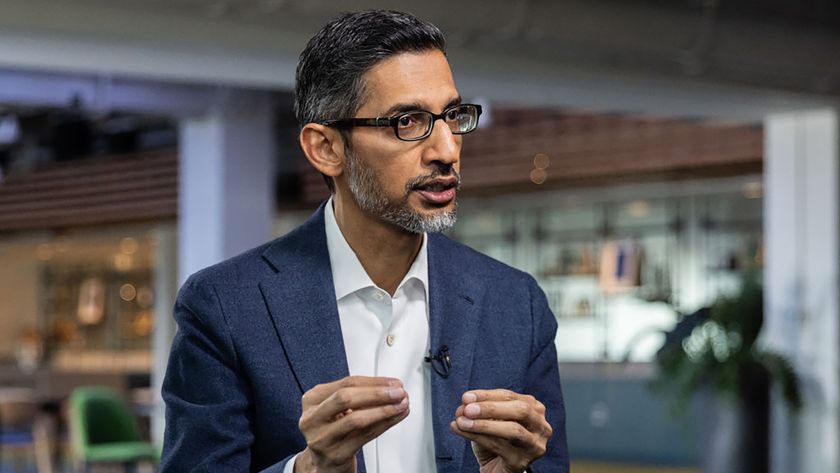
[(352, 276), (301, 300)]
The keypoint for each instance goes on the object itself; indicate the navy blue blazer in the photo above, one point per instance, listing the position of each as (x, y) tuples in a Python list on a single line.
[(258, 330)]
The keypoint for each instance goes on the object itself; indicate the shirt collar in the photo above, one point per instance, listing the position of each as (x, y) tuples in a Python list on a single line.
[(348, 273)]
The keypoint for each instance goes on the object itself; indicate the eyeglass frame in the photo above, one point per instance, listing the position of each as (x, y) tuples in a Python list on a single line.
[(393, 121)]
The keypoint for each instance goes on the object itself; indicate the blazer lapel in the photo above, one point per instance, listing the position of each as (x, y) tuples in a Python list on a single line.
[(454, 293), (301, 300)]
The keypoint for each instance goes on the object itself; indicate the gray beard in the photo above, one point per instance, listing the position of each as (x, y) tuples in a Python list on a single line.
[(366, 188)]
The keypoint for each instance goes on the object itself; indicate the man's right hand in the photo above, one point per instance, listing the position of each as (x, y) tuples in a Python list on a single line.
[(340, 417)]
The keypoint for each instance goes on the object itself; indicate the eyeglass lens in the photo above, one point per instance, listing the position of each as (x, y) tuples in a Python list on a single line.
[(415, 125)]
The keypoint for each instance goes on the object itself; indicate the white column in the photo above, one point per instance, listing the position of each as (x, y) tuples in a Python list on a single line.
[(165, 286), (226, 200), (225, 205), (801, 283)]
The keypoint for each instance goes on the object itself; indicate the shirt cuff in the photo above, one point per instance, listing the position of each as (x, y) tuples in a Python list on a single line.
[(290, 465)]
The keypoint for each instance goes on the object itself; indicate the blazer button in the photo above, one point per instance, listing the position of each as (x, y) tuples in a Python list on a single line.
[(389, 340)]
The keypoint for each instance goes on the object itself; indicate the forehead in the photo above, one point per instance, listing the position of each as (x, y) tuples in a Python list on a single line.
[(421, 78)]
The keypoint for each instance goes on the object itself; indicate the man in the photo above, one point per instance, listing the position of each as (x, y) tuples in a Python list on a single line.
[(364, 340)]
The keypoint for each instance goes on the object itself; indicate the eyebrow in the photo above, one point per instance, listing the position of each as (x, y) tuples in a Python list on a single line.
[(415, 106)]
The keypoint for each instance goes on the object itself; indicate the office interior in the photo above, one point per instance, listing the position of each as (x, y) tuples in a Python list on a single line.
[(639, 175)]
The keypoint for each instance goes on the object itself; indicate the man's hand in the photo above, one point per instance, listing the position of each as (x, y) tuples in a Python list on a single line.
[(508, 431), (340, 417)]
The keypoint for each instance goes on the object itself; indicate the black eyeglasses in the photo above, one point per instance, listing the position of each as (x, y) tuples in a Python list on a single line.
[(417, 125)]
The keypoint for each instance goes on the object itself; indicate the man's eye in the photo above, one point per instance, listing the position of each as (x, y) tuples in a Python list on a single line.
[(407, 121), (452, 115)]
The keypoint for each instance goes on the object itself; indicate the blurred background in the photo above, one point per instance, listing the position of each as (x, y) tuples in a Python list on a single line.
[(667, 170)]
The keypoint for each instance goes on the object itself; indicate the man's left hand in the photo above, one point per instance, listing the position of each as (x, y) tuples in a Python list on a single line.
[(508, 431)]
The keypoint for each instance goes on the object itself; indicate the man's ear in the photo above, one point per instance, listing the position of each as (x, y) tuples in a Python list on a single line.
[(324, 148)]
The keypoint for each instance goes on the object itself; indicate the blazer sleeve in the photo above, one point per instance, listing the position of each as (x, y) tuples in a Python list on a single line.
[(543, 382), (208, 403)]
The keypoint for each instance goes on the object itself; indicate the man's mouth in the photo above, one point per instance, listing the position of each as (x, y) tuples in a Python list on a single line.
[(438, 191)]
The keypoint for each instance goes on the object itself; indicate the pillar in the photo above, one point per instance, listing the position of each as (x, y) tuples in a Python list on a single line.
[(801, 283)]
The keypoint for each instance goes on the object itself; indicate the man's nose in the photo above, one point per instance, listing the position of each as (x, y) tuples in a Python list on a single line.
[(444, 146)]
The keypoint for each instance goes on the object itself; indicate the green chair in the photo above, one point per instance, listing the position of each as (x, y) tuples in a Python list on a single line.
[(103, 430)]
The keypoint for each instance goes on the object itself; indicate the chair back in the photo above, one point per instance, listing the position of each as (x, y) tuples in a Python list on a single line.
[(97, 416)]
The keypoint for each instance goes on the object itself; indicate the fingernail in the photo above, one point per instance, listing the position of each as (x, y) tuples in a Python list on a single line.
[(394, 382), (396, 393), (472, 410), (465, 423), (470, 397), (402, 405)]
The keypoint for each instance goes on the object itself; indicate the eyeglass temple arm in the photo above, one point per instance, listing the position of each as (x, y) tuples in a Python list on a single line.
[(346, 122)]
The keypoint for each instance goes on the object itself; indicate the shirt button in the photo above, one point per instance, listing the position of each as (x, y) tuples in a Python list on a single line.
[(389, 340), (378, 296)]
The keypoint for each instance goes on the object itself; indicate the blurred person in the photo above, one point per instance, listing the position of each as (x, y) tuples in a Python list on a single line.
[(365, 340)]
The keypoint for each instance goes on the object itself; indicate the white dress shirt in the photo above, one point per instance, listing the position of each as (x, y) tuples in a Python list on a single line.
[(387, 336)]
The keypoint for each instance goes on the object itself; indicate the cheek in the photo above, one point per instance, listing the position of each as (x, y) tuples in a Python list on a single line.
[(399, 178), (397, 170)]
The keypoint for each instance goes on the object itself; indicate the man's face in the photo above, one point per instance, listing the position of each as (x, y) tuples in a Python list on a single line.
[(412, 185)]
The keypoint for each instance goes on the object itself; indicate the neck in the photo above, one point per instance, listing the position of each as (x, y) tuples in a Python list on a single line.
[(385, 251)]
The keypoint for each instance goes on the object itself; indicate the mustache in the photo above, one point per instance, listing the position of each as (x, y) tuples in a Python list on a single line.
[(420, 181)]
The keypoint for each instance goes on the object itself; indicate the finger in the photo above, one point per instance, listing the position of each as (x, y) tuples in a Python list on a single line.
[(517, 410), (340, 442), (354, 430), (495, 445), (319, 393), (355, 398), (512, 432), (478, 395)]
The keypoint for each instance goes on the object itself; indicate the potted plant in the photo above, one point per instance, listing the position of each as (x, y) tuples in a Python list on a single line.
[(714, 352)]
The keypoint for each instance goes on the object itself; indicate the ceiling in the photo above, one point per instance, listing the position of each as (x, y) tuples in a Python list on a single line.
[(741, 59), (818, 13), (779, 44)]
